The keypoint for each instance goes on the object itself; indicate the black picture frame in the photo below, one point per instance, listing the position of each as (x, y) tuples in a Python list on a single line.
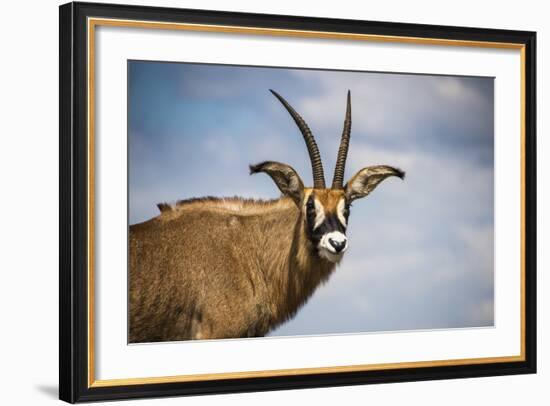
[(73, 256)]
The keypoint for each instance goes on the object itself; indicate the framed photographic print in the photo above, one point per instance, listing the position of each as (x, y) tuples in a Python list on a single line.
[(257, 202)]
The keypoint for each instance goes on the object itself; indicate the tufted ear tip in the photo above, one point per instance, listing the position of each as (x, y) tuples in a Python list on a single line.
[(257, 168), (400, 174)]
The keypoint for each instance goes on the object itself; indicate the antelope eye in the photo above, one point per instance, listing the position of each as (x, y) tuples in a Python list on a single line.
[(310, 205), (346, 210)]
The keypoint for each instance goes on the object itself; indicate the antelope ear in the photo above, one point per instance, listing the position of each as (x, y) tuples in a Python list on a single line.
[(364, 181), (284, 176)]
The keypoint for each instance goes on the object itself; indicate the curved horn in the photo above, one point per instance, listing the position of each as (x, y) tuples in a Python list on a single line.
[(338, 180), (314, 156)]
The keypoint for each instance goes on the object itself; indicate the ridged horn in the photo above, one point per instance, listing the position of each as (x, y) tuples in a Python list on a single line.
[(340, 167), (313, 150)]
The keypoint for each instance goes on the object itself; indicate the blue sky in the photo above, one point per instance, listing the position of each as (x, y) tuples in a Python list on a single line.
[(421, 251)]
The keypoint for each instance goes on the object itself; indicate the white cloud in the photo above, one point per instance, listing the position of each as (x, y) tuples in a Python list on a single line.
[(386, 104)]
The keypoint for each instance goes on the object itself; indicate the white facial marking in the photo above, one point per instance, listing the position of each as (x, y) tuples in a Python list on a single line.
[(326, 249), (340, 212), (319, 214)]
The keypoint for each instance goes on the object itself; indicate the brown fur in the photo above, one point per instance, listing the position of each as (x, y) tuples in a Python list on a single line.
[(188, 283), (329, 198)]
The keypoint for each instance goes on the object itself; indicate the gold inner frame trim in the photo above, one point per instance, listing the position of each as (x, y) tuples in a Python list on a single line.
[(93, 22)]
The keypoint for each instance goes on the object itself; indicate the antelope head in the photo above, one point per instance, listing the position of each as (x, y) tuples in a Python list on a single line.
[(325, 211)]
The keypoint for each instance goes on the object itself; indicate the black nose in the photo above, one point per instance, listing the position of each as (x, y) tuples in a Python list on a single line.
[(338, 245)]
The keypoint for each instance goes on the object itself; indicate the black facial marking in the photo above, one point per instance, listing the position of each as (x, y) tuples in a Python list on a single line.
[(310, 210), (331, 222), (346, 211)]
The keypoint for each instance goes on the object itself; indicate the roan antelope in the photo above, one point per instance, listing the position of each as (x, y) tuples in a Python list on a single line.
[(212, 268)]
